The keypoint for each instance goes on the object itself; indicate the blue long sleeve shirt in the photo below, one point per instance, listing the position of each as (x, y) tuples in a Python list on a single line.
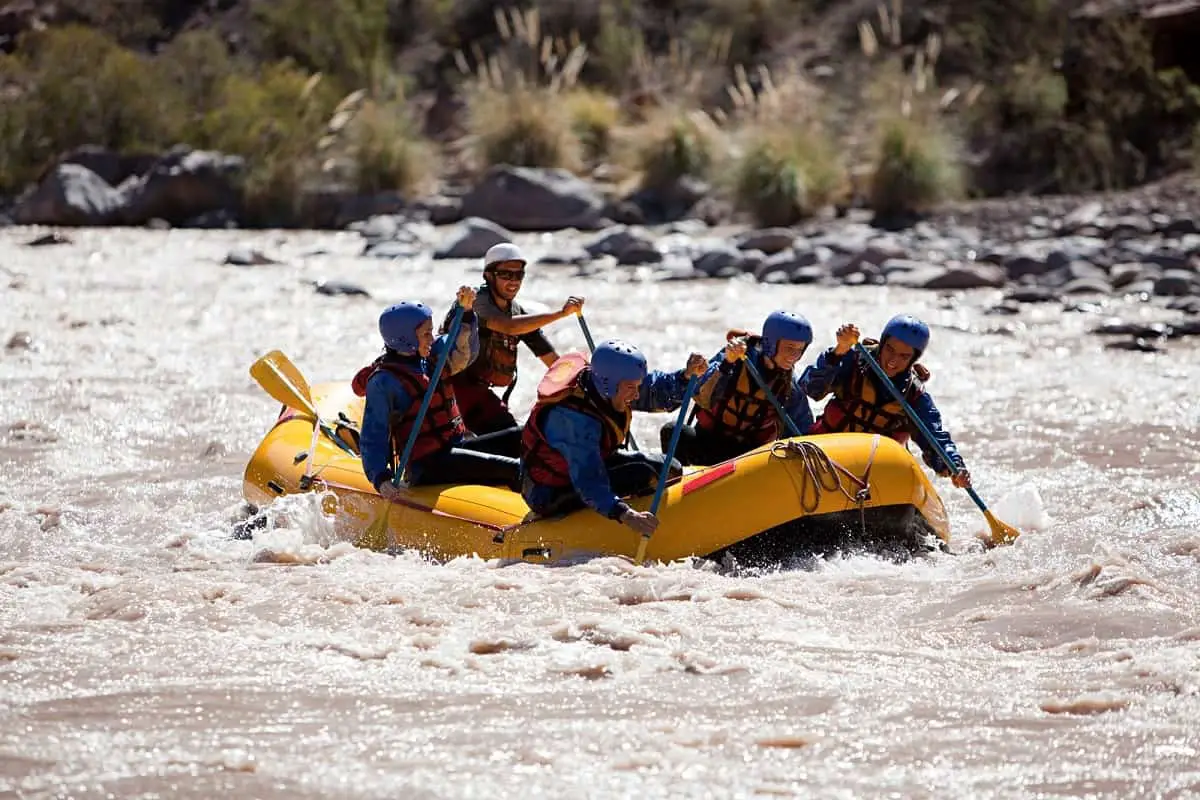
[(831, 374), (386, 396), (577, 437), (721, 381)]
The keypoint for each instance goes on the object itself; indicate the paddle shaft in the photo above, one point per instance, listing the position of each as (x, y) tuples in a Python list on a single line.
[(591, 343), (912, 415), (668, 457), (451, 339)]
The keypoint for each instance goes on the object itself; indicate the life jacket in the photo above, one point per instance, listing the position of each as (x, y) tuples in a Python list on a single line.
[(496, 363), (858, 406), (745, 414), (540, 462), (442, 425)]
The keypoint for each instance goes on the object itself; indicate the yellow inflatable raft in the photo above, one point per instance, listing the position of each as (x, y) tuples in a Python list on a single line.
[(790, 499)]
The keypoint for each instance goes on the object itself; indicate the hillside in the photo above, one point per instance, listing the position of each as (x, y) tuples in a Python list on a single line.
[(776, 107)]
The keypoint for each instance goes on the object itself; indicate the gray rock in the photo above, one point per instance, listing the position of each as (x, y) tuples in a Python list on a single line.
[(1124, 274), (950, 276), (1128, 227), (615, 241), (1061, 276), (339, 288), (1116, 327), (562, 257), (531, 199), (893, 265), (70, 195), (813, 273), (768, 240), (1176, 283), (638, 254), (181, 185), (1086, 286), (1083, 215), (472, 238), (379, 227), (1142, 286), (717, 259), (392, 249), (1188, 305), (1168, 260), (1181, 226), (1186, 327), (1135, 345), (1030, 294), (248, 257), (1019, 265), (440, 210), (48, 239)]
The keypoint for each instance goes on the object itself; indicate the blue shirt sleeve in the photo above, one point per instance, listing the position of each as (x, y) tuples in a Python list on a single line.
[(798, 408), (928, 413), (663, 391), (577, 437), (385, 395), (821, 378)]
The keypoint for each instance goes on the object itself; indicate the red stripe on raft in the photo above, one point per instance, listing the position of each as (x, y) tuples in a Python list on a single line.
[(714, 474)]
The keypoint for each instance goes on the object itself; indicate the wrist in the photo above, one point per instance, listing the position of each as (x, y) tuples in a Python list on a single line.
[(619, 510)]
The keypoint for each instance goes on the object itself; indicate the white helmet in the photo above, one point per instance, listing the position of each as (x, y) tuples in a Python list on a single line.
[(499, 253)]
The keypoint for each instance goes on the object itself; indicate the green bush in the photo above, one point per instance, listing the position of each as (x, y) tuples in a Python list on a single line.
[(594, 120), (785, 175), (72, 86), (914, 169), (387, 150), (346, 40), (674, 143), (522, 127), (276, 121)]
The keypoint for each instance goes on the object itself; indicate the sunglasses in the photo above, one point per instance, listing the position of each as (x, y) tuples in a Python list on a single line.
[(509, 274)]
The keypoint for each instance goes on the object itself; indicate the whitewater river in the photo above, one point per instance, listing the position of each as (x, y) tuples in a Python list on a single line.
[(145, 653)]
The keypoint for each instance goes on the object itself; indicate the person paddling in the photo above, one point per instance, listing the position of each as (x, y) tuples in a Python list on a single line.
[(394, 386), (861, 403), (570, 456), (734, 414), (503, 323)]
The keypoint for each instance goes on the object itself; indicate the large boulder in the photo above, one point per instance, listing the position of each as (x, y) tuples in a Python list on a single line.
[(183, 184), (531, 199), (70, 194)]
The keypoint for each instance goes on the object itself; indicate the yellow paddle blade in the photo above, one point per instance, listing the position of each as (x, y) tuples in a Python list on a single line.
[(1002, 533), (279, 381), (375, 537), (641, 553), (285, 367)]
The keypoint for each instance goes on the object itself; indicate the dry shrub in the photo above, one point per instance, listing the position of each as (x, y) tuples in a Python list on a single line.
[(786, 165), (516, 112)]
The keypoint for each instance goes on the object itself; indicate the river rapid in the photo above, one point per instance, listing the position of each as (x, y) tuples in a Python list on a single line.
[(145, 653)]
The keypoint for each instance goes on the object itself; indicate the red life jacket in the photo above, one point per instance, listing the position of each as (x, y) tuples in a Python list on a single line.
[(856, 406), (543, 464), (496, 364), (442, 425), (745, 414)]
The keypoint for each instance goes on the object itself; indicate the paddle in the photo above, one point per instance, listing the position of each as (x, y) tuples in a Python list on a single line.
[(668, 457), (591, 343), (378, 534), (283, 381), (1001, 533)]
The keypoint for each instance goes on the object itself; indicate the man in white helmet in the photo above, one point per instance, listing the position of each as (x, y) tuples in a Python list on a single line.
[(503, 323)]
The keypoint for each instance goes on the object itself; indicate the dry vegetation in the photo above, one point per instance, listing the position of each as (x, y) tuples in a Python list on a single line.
[(1009, 95)]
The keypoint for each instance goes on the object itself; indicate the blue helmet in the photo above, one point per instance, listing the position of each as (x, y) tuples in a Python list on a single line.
[(784, 325), (909, 330), (398, 325), (614, 361)]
